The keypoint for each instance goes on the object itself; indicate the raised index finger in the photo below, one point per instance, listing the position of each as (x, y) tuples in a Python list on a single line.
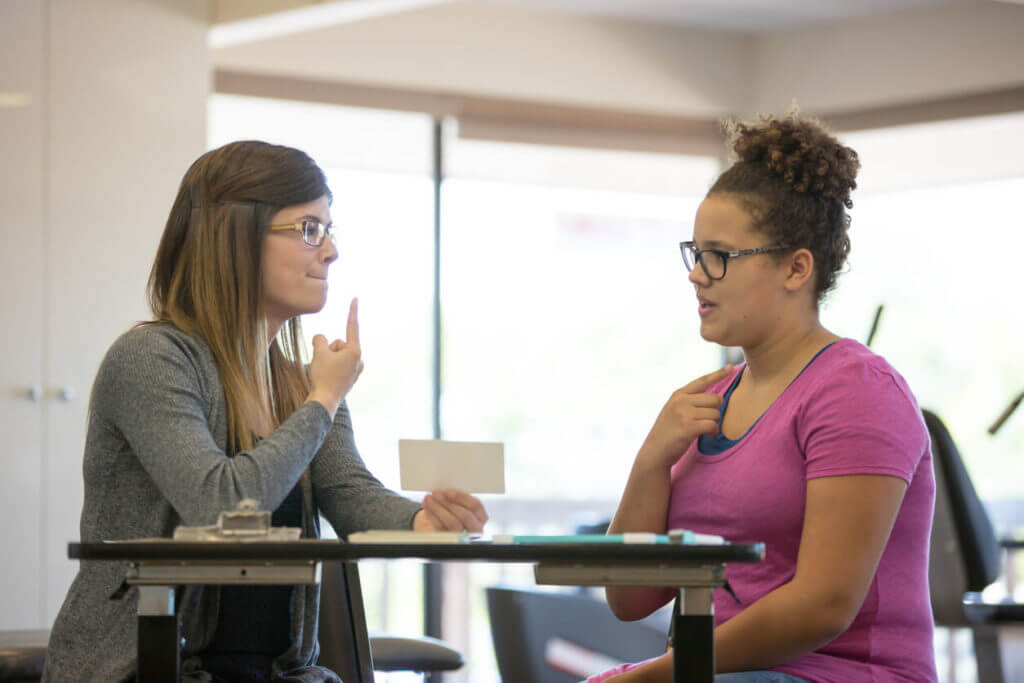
[(352, 329), (698, 385)]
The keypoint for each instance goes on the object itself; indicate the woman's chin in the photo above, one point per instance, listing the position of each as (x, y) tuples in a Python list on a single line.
[(707, 332)]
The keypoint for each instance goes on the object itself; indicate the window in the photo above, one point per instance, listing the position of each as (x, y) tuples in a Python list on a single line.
[(568, 319), (377, 168), (568, 322), (937, 240)]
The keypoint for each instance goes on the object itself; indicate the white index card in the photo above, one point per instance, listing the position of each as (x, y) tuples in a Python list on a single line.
[(470, 466)]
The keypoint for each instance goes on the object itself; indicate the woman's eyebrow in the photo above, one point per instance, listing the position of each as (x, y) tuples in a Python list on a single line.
[(310, 216)]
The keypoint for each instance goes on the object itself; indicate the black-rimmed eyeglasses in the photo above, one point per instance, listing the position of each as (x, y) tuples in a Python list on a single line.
[(714, 261), (313, 231)]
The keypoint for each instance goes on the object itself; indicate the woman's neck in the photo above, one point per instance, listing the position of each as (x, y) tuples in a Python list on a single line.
[(783, 354), (273, 327)]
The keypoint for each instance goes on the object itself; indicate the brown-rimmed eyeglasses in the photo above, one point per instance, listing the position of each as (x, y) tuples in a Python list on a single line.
[(313, 231)]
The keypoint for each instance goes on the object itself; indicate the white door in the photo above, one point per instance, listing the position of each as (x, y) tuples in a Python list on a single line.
[(127, 117), (22, 297)]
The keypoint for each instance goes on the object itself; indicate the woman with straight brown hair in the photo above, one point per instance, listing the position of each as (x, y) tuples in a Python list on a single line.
[(211, 403)]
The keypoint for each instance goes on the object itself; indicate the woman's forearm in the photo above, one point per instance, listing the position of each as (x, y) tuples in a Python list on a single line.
[(644, 507), (783, 625), (779, 628)]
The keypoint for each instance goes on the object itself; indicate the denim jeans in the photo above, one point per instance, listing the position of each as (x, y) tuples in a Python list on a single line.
[(755, 677)]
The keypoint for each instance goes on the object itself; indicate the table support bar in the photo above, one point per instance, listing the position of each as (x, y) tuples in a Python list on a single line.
[(693, 636), (159, 636)]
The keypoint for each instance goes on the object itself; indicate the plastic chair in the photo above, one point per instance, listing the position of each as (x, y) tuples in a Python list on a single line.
[(22, 654), (545, 637), (346, 647), (965, 557)]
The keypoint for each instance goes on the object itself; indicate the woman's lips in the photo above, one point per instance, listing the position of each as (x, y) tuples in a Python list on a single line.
[(705, 307)]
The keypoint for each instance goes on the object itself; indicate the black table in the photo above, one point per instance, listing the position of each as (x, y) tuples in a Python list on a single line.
[(158, 565)]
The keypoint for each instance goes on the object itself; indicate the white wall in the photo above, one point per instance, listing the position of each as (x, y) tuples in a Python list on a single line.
[(519, 54), (903, 58)]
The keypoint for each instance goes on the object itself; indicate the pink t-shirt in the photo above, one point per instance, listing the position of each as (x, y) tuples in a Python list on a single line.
[(849, 412)]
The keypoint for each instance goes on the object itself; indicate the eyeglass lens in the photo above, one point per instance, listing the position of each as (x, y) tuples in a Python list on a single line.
[(313, 232), (712, 262)]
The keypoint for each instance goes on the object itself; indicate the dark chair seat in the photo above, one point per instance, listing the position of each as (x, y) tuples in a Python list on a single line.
[(980, 612), (22, 654), (422, 653), (347, 649)]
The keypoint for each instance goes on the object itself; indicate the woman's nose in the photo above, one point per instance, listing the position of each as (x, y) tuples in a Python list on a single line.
[(329, 251), (698, 277)]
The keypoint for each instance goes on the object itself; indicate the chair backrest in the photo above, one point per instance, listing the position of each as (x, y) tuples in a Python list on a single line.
[(344, 641), (525, 622), (964, 554)]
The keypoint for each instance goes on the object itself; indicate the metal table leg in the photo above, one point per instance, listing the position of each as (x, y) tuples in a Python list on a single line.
[(159, 636), (693, 637)]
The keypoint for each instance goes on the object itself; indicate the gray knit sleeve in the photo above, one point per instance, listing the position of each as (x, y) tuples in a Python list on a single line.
[(347, 494), (159, 389)]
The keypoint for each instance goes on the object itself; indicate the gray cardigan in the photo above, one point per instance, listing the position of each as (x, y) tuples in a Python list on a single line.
[(155, 458)]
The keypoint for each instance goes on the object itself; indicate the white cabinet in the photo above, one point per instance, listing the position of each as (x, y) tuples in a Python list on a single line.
[(102, 108), (21, 287)]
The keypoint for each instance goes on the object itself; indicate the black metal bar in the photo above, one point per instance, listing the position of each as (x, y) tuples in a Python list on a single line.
[(325, 550), (159, 649), (693, 636), (433, 572), (694, 649)]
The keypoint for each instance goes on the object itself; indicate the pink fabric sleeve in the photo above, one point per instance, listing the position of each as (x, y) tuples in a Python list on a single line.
[(868, 423)]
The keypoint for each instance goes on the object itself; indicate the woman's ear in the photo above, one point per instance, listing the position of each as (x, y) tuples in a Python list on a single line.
[(801, 270)]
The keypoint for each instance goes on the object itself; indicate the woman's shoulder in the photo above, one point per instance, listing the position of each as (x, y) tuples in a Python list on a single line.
[(154, 343), (153, 337), (846, 358), (848, 368)]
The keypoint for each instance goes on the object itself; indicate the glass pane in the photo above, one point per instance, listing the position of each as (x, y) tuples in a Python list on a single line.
[(952, 326), (568, 321), (383, 206)]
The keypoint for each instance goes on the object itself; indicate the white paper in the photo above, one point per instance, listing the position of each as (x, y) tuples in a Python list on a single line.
[(474, 467)]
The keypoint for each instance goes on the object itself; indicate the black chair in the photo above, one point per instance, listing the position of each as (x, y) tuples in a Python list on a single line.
[(22, 654), (965, 557), (546, 637), (345, 645)]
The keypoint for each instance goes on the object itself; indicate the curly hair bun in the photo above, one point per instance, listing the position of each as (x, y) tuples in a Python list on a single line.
[(799, 151)]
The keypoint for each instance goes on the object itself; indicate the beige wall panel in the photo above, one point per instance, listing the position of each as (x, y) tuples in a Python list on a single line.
[(129, 81), (914, 56), (519, 54), (22, 227)]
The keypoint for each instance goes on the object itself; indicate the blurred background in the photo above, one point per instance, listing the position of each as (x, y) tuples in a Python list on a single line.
[(511, 180)]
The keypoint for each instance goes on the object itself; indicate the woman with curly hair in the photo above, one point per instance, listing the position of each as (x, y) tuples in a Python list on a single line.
[(815, 445), (211, 403)]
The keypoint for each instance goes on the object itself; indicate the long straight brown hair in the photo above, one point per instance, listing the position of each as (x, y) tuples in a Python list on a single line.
[(206, 276)]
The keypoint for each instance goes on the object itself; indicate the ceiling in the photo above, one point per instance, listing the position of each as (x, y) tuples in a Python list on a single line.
[(747, 16)]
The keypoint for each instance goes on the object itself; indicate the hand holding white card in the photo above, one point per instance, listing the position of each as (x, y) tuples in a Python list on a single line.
[(473, 467)]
